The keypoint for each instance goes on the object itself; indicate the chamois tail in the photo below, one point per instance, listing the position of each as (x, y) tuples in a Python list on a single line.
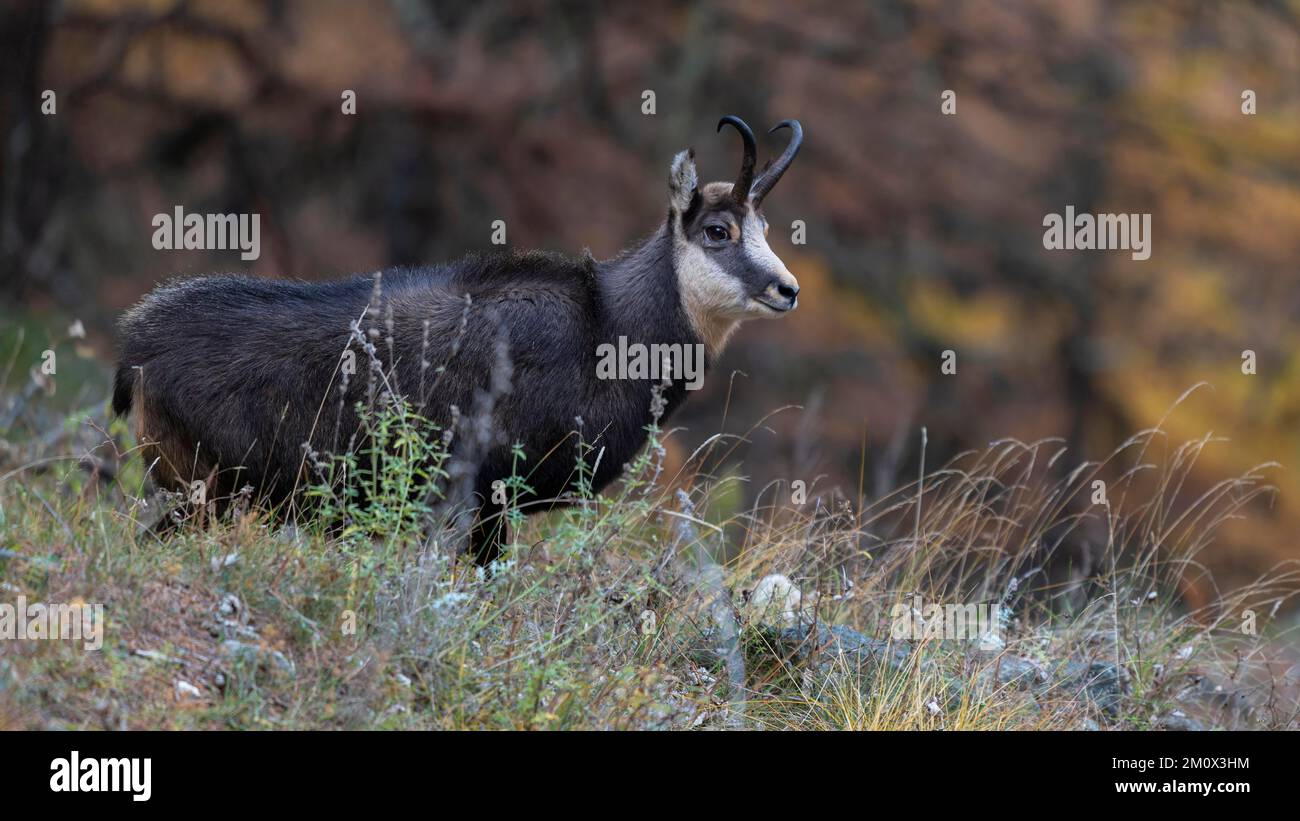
[(123, 389)]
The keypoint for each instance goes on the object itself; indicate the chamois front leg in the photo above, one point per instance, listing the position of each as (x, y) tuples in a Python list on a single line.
[(487, 535)]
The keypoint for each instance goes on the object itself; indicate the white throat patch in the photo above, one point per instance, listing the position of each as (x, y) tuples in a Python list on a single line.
[(714, 300)]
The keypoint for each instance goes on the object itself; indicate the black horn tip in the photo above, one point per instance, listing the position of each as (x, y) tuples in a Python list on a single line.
[(744, 182), (746, 133), (733, 120), (773, 171)]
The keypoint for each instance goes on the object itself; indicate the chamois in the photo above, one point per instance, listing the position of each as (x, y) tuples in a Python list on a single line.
[(234, 379)]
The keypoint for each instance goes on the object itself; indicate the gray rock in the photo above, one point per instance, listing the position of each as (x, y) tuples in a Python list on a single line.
[(1100, 682), (1180, 722), (257, 657), (229, 607), (1018, 673), (186, 690), (828, 643), (833, 647), (825, 649)]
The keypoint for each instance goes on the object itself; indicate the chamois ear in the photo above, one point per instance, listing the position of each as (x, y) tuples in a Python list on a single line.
[(683, 182)]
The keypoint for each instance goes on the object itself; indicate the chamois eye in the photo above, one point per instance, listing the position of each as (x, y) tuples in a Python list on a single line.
[(717, 233)]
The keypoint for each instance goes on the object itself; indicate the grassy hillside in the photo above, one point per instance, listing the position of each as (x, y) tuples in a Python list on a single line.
[(612, 612)]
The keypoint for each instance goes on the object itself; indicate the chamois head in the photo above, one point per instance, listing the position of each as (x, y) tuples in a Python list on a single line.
[(725, 270)]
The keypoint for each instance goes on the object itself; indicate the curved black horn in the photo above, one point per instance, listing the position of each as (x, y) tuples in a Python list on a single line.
[(773, 172), (740, 191)]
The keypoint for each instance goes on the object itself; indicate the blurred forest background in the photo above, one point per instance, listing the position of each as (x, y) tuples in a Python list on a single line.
[(924, 231)]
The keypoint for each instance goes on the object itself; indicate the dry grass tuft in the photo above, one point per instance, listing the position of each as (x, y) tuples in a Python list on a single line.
[(615, 612)]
